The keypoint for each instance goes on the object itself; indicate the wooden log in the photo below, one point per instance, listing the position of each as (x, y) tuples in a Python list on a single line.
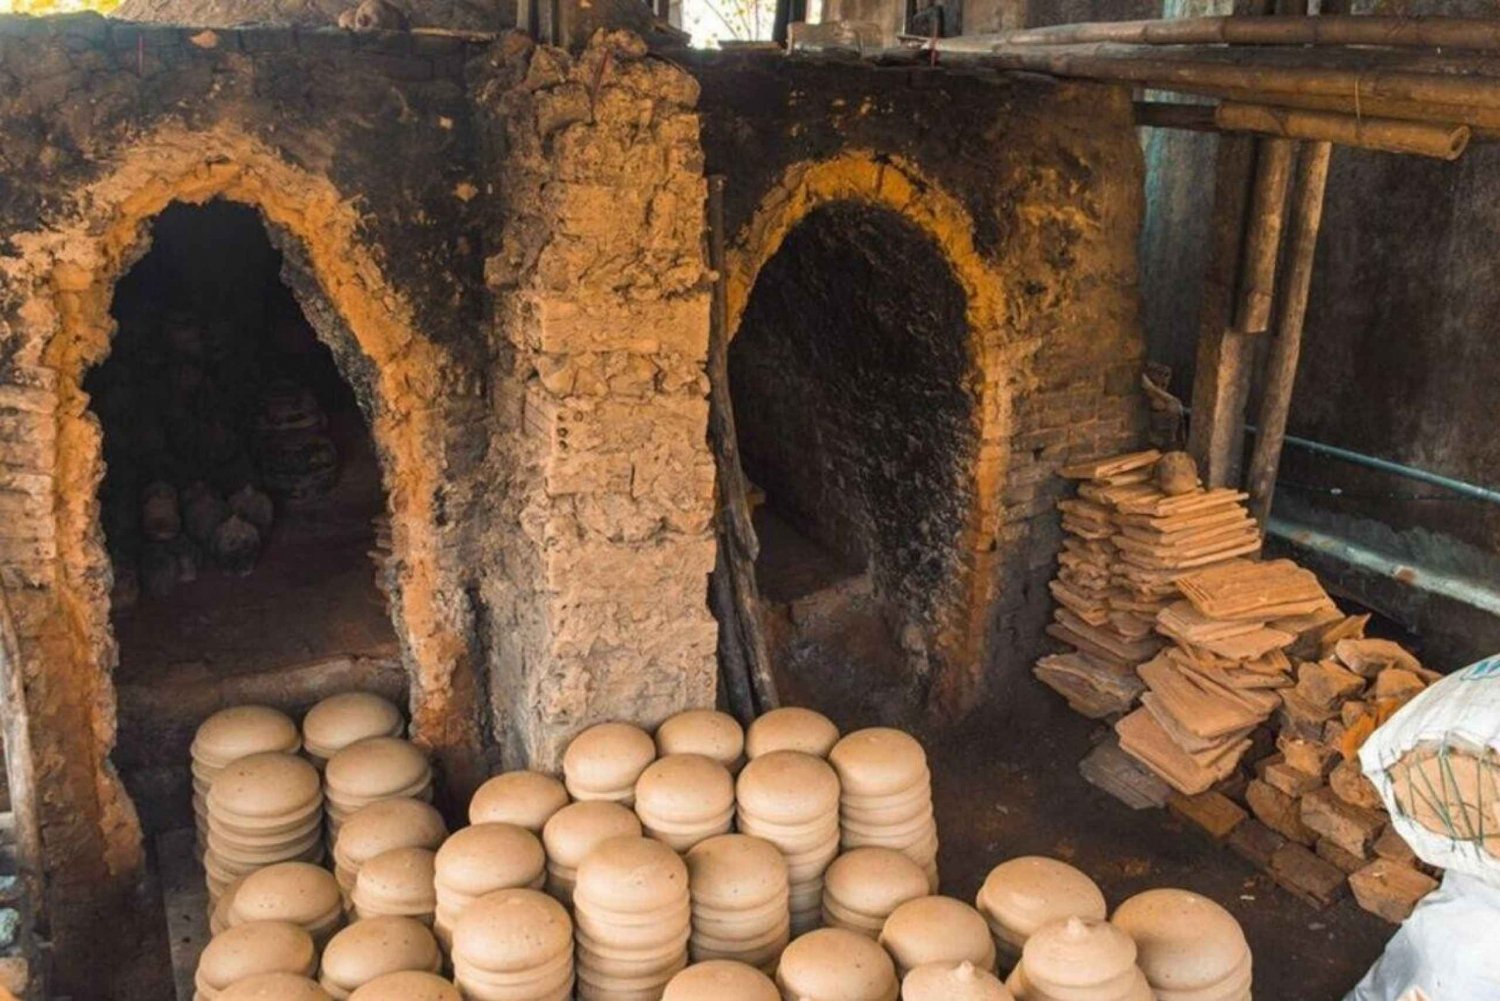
[(1171, 115), (1423, 32), (1443, 141), (1273, 175), (1280, 374)]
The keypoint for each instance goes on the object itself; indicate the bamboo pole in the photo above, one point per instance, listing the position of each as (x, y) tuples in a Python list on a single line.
[(1418, 32), (1445, 142), (1286, 346), (1257, 290)]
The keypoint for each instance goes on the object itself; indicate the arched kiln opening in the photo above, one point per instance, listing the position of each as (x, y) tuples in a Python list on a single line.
[(855, 392), (241, 501)]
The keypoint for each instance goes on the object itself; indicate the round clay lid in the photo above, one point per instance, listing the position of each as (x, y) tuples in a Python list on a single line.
[(526, 799), (702, 731), (267, 785), (631, 875), (240, 730), (721, 980), (953, 982), (401, 875), (407, 985), (607, 758), (684, 788), (256, 947), (485, 857), (572, 832), (375, 946), (340, 720), (274, 987), (1076, 952), (512, 930), (937, 929), (878, 761), (791, 729), (299, 892), (387, 824), (736, 872), (1022, 894), (1186, 941), (831, 964), (788, 787), (377, 766), (875, 881)]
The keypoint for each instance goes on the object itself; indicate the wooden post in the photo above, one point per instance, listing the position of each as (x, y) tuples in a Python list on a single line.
[(25, 804), (1273, 172), (736, 597), (1286, 346)]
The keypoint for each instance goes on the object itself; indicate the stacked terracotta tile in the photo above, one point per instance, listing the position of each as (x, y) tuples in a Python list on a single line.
[(1219, 679), (1139, 522)]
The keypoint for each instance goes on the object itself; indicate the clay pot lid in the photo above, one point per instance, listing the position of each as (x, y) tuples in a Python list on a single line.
[(401, 875), (953, 982), (340, 720), (526, 799), (387, 824), (1077, 952), (878, 761), (631, 875), (299, 892), (485, 857), (375, 946), (788, 787), (572, 832), (407, 985), (1024, 893), (1185, 940), (721, 980), (512, 930), (791, 729), (607, 758), (736, 872), (268, 785), (240, 730), (936, 929), (684, 788), (702, 731), (256, 947), (831, 964), (875, 881), (275, 987), (377, 766)]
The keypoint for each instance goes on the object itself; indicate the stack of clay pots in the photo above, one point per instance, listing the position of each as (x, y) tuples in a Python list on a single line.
[(1022, 894), (741, 899), (371, 770), (340, 720), (369, 949), (262, 809), (298, 893), (1189, 948), (937, 930), (397, 883), (1078, 960), (478, 860), (230, 734), (832, 963), (791, 729), (573, 832), (407, 985), (514, 945), (685, 798), (276, 987), (721, 980), (381, 827), (953, 982), (633, 919), (526, 799), (703, 731), (862, 887), (791, 800), (886, 799), (604, 761), (262, 947)]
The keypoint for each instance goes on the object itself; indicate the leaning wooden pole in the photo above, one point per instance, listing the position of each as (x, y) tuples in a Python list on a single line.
[(25, 802), (1257, 291), (1442, 141), (1286, 346), (1419, 32), (736, 595)]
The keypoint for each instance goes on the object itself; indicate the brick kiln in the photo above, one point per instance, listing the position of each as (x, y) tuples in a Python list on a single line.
[(490, 259)]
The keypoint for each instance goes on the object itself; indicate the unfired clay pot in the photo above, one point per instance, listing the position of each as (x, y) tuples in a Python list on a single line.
[(1185, 941), (863, 886), (952, 982), (510, 931), (1079, 960), (275, 987), (721, 980), (791, 729), (261, 947), (788, 788), (632, 911), (398, 882), (632, 876), (407, 985), (878, 762), (712, 734), (369, 949), (297, 892), (684, 798), (242, 730), (1022, 894), (340, 720), (937, 930), (526, 799), (380, 827), (375, 768), (604, 761), (483, 858), (735, 872), (268, 790), (831, 964)]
